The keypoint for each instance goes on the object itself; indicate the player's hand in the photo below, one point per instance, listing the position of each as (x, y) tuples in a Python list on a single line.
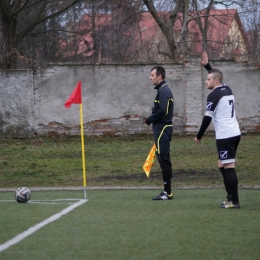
[(197, 140), (204, 59)]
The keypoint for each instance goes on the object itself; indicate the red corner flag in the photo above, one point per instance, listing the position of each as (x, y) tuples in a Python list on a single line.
[(75, 97)]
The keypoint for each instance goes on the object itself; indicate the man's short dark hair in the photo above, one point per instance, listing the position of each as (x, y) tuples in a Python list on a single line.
[(159, 71), (217, 74)]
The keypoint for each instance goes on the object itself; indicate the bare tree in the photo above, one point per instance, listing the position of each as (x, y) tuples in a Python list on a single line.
[(12, 14), (250, 15), (120, 34), (184, 38), (209, 21), (108, 31), (35, 32), (167, 29), (201, 15)]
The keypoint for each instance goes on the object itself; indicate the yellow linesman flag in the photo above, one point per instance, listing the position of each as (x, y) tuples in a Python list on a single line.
[(149, 161)]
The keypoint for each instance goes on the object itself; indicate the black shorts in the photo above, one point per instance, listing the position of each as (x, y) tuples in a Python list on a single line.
[(227, 149)]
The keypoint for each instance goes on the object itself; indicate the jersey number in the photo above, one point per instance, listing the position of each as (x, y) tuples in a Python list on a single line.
[(232, 104)]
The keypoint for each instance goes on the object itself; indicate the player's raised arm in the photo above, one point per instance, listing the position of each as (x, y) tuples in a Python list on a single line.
[(204, 59)]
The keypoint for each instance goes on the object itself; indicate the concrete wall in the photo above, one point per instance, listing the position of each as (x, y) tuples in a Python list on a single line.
[(116, 98), (18, 108)]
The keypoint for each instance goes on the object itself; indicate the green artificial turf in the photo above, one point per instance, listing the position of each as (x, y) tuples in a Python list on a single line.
[(127, 224)]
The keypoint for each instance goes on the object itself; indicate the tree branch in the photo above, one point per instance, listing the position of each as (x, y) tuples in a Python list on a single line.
[(23, 33), (156, 17)]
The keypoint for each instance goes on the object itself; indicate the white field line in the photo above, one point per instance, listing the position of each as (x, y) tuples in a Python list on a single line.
[(33, 229), (30, 201), (49, 202), (57, 201)]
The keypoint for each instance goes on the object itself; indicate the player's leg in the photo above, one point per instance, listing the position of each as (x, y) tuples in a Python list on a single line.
[(227, 157), (224, 175)]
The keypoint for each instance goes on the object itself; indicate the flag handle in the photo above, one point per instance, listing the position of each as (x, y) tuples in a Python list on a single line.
[(83, 151)]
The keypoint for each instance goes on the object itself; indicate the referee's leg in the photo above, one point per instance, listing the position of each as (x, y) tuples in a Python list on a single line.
[(164, 158)]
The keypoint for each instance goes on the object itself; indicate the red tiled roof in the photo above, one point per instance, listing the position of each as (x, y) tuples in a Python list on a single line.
[(219, 22), (219, 25)]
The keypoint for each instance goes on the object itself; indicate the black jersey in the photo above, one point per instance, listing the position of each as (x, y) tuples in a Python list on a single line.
[(162, 111), (221, 108)]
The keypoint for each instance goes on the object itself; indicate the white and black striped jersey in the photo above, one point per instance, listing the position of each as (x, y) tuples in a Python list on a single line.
[(221, 108)]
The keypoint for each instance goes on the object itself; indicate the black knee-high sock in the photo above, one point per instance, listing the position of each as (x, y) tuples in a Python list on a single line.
[(223, 171), (167, 175), (232, 183)]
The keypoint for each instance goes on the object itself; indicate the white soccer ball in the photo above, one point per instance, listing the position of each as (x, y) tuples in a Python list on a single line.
[(22, 195)]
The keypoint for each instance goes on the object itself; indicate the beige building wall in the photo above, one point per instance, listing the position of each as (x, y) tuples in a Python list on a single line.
[(234, 43)]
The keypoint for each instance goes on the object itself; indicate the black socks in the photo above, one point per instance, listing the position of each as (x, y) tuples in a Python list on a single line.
[(167, 175), (232, 184), (222, 169)]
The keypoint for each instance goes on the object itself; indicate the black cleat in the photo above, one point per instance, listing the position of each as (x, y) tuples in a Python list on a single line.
[(163, 196)]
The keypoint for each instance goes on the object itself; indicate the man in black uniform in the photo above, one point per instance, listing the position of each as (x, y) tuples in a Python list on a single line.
[(221, 110), (161, 118)]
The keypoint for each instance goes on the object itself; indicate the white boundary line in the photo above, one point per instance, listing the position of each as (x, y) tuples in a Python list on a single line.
[(56, 201), (46, 202), (33, 229), (30, 201)]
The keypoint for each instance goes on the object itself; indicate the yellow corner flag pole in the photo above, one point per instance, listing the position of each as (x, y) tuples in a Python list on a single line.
[(76, 98), (83, 151)]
